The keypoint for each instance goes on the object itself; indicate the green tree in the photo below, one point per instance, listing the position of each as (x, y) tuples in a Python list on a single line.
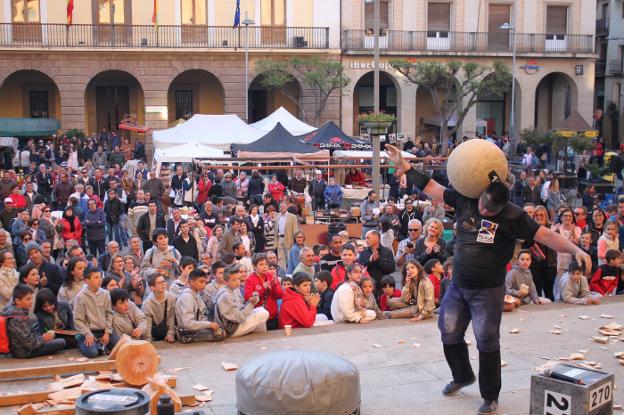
[(321, 77), (455, 87)]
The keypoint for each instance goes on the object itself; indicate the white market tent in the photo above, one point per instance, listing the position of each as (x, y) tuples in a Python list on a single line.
[(220, 131), (291, 123), (435, 120), (353, 154), (185, 153)]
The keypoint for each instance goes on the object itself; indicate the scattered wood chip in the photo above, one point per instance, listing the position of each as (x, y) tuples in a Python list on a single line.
[(200, 387), (618, 355), (604, 347), (514, 331), (377, 346), (177, 369), (82, 359), (555, 331), (584, 317), (606, 316), (613, 326), (577, 356), (416, 344), (207, 397), (401, 342), (621, 361), (563, 315), (584, 351), (617, 407), (609, 332), (556, 326), (600, 339), (503, 363), (229, 367), (565, 358)]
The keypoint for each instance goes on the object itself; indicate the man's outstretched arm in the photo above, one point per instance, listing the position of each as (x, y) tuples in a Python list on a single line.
[(557, 242)]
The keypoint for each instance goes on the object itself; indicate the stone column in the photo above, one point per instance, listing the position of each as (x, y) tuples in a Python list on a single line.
[(407, 108), (469, 126)]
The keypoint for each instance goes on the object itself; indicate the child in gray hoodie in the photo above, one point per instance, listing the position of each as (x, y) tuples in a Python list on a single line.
[(192, 325), (162, 255), (237, 317), (519, 284), (128, 319), (159, 309), (93, 316)]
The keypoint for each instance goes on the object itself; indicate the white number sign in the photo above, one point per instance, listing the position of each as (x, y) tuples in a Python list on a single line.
[(557, 404), (600, 396)]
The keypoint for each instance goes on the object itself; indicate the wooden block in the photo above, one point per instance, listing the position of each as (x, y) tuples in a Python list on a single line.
[(613, 326), (600, 339), (24, 398), (228, 367), (66, 395), (48, 371), (73, 381)]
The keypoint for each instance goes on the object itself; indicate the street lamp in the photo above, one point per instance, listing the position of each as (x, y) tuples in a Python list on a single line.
[(512, 116), (247, 22)]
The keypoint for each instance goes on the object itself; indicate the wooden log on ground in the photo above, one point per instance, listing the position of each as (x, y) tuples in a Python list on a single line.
[(136, 361), (63, 369)]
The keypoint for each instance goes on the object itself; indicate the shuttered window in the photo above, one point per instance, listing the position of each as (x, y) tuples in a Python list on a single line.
[(439, 17), (556, 19), (384, 14), (498, 14)]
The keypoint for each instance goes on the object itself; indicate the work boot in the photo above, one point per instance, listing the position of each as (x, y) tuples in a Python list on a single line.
[(453, 387), (488, 407)]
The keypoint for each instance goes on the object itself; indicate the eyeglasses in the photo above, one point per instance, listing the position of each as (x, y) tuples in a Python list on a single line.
[(413, 230)]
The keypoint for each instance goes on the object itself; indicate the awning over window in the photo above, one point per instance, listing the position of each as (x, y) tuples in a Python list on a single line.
[(28, 127)]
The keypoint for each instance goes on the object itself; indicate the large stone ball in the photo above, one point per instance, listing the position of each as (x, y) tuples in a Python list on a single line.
[(470, 165)]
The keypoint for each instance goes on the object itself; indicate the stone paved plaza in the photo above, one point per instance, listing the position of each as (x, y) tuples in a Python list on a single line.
[(401, 364)]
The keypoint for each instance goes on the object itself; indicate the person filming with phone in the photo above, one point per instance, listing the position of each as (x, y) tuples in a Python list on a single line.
[(407, 247)]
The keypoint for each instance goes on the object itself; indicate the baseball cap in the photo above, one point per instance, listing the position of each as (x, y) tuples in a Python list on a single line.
[(8, 200)]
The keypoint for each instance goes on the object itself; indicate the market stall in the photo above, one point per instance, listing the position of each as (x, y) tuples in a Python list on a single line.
[(331, 137), (291, 123)]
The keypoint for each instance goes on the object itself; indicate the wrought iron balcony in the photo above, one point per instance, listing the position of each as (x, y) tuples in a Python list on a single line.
[(469, 42), (602, 26), (132, 36)]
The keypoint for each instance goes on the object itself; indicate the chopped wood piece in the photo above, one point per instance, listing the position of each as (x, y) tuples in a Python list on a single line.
[(228, 367), (577, 356), (613, 326), (503, 363), (618, 355), (49, 371), (514, 331), (555, 331), (200, 387), (584, 317), (157, 386), (122, 340), (377, 346), (82, 359), (136, 361), (609, 332), (600, 339), (606, 316), (72, 381), (206, 397), (66, 395)]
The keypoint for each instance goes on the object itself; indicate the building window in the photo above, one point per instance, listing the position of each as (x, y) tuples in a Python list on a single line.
[(111, 12), (25, 11), (38, 104), (184, 103), (384, 14), (273, 12), (439, 17), (193, 12), (557, 19)]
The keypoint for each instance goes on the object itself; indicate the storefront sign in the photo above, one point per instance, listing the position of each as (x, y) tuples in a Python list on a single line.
[(369, 65), (161, 110), (531, 67)]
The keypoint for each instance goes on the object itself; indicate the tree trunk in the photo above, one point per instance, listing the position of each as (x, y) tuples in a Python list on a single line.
[(136, 361), (443, 137)]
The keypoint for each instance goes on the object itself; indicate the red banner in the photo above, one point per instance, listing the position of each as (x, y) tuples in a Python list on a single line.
[(70, 12)]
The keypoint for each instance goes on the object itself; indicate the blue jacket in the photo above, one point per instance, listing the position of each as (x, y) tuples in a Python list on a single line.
[(95, 224), (333, 194)]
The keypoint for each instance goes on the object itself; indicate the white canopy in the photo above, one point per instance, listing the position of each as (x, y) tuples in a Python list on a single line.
[(213, 130), (185, 153), (353, 154), (435, 120), (291, 123)]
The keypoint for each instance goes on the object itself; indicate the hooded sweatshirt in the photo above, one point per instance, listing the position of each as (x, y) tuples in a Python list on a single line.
[(154, 256), (190, 312), (572, 292), (125, 323), (296, 311), (154, 311), (23, 332), (517, 276), (93, 311), (605, 279), (231, 309), (9, 278)]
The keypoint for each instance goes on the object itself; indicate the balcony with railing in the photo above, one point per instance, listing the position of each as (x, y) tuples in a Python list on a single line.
[(468, 42), (602, 26), (615, 67), (132, 36)]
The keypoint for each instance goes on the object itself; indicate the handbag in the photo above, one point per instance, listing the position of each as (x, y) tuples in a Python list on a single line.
[(537, 252)]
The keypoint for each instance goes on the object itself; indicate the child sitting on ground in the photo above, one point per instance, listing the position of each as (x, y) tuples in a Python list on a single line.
[(323, 282), (215, 285), (159, 310), (417, 299), (368, 288), (388, 288), (519, 283), (448, 276), (93, 317), (25, 341), (187, 264), (435, 270), (606, 278), (347, 302), (574, 287), (585, 243), (54, 314), (299, 304), (192, 325), (235, 316), (287, 283), (128, 319), (608, 240)]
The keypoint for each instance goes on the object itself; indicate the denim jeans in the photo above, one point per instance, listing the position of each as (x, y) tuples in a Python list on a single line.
[(114, 233), (94, 350), (49, 347), (97, 248), (484, 306)]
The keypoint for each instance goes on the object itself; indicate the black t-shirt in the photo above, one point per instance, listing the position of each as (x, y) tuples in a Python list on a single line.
[(329, 261), (484, 246)]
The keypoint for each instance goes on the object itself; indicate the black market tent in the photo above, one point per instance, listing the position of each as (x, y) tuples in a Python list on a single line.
[(331, 137), (575, 124), (28, 127), (276, 143)]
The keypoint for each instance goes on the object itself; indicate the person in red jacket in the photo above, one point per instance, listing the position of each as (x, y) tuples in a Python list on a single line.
[(276, 189), (299, 305), (70, 226), (388, 288), (435, 270), (204, 186), (605, 279), (268, 287), (339, 272), (19, 201)]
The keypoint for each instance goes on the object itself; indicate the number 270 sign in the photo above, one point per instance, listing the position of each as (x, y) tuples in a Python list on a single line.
[(557, 403)]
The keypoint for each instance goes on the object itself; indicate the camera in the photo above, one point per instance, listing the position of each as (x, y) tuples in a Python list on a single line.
[(409, 245)]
